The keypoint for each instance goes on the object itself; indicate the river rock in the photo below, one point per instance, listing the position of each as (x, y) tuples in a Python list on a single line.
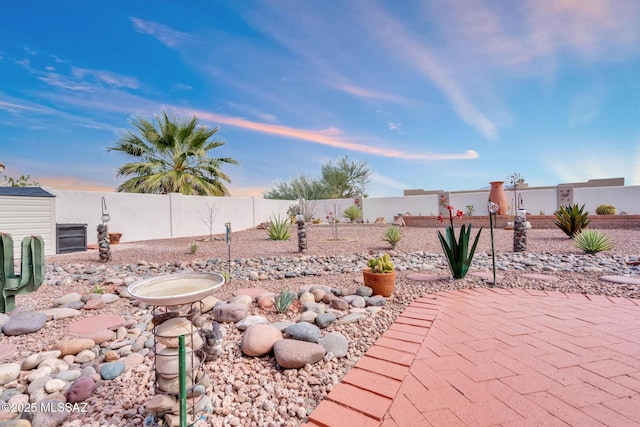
[(317, 308), (61, 313), (49, 418), (54, 385), (259, 339), (267, 301), (281, 326), (336, 343), (111, 370), (350, 318), (376, 301), (208, 303), (167, 361), (232, 312), (109, 298), (172, 385), (364, 291), (132, 360), (9, 372), (242, 299), (325, 319), (34, 360), (159, 404), (339, 304), (306, 297), (76, 305), (74, 345), (56, 365), (24, 323), (245, 323), (308, 316), (169, 331), (303, 332), (45, 371), (358, 302), (80, 389), (94, 304), (71, 297), (69, 376), (294, 354), (318, 294), (37, 385)]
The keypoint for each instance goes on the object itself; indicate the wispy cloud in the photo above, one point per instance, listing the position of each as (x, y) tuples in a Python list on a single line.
[(583, 110), (369, 93), (398, 41), (166, 35), (330, 137), (107, 77), (379, 179)]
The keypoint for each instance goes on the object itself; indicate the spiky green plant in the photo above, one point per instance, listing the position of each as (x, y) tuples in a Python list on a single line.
[(457, 250), (593, 241), (98, 289), (381, 264), (278, 229), (284, 300), (193, 247), (393, 235), (571, 219), (606, 210), (353, 213)]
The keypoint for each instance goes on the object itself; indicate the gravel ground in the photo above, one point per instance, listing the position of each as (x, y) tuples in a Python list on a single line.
[(255, 391)]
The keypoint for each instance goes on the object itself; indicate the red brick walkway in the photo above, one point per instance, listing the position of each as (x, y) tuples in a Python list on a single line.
[(497, 357)]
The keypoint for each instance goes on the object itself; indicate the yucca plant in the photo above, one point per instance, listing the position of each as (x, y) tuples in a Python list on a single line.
[(193, 247), (571, 219), (457, 250), (392, 235), (278, 229), (284, 300), (353, 213), (593, 241)]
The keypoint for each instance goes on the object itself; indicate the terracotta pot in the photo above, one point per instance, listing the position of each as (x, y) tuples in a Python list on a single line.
[(381, 283), (497, 195), (114, 238)]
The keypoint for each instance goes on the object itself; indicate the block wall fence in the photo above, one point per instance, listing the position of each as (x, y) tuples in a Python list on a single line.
[(152, 216)]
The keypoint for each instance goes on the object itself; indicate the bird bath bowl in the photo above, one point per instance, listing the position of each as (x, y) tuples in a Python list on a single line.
[(175, 289)]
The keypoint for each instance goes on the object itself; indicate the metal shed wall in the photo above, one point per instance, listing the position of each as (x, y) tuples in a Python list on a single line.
[(26, 215)]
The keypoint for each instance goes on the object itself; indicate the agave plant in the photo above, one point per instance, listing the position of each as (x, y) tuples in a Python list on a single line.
[(457, 250), (278, 229), (392, 235), (284, 300), (593, 241), (571, 219), (353, 212)]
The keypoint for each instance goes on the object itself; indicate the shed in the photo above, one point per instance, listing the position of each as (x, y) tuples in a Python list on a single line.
[(26, 211)]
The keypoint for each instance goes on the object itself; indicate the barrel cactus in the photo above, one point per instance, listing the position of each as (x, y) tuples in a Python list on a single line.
[(606, 210)]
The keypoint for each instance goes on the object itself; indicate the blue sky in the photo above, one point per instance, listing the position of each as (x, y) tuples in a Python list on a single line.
[(431, 94)]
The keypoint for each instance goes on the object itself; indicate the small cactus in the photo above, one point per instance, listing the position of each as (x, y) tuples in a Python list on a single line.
[(382, 264), (606, 210)]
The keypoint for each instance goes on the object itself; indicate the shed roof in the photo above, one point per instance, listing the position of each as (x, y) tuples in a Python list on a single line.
[(25, 192)]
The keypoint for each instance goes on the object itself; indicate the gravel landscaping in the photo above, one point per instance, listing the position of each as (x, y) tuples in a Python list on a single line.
[(256, 391)]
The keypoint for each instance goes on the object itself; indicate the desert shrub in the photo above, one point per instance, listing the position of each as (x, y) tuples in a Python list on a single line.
[(593, 241), (353, 213), (393, 235), (571, 219), (278, 229), (193, 247), (284, 300)]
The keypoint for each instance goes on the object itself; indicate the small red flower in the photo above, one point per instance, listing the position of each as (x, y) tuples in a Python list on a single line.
[(450, 208), (439, 218), (459, 214)]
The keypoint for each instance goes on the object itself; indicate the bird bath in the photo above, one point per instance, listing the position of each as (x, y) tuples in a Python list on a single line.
[(175, 289), (176, 300)]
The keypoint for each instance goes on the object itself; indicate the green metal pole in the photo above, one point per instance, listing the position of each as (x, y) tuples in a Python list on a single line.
[(182, 366)]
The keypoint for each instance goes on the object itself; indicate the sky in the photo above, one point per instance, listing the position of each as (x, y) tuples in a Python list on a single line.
[(432, 95)]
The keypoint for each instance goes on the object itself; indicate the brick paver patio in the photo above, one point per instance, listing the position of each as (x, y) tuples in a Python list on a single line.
[(503, 357)]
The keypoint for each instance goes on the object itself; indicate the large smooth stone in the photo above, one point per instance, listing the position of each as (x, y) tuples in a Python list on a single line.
[(172, 385), (159, 404), (259, 339), (34, 360), (24, 323), (85, 356), (303, 332), (242, 299), (232, 312), (294, 354), (248, 321), (316, 307), (61, 313), (109, 371), (325, 319), (169, 331), (167, 363), (336, 343), (65, 299), (74, 346), (48, 418), (80, 389), (340, 304), (56, 365), (9, 372)]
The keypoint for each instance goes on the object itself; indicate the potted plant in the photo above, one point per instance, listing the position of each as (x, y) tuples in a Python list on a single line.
[(380, 275)]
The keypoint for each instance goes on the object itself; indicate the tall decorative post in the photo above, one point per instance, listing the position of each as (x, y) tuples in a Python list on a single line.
[(520, 228), (103, 234), (493, 209), (302, 233), (227, 227)]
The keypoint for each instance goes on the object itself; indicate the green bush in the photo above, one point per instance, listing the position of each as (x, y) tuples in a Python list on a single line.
[(278, 229), (284, 300), (392, 235), (571, 219), (593, 241), (353, 212), (193, 247)]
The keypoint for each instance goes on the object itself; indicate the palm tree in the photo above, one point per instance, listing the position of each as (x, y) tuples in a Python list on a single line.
[(171, 156)]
